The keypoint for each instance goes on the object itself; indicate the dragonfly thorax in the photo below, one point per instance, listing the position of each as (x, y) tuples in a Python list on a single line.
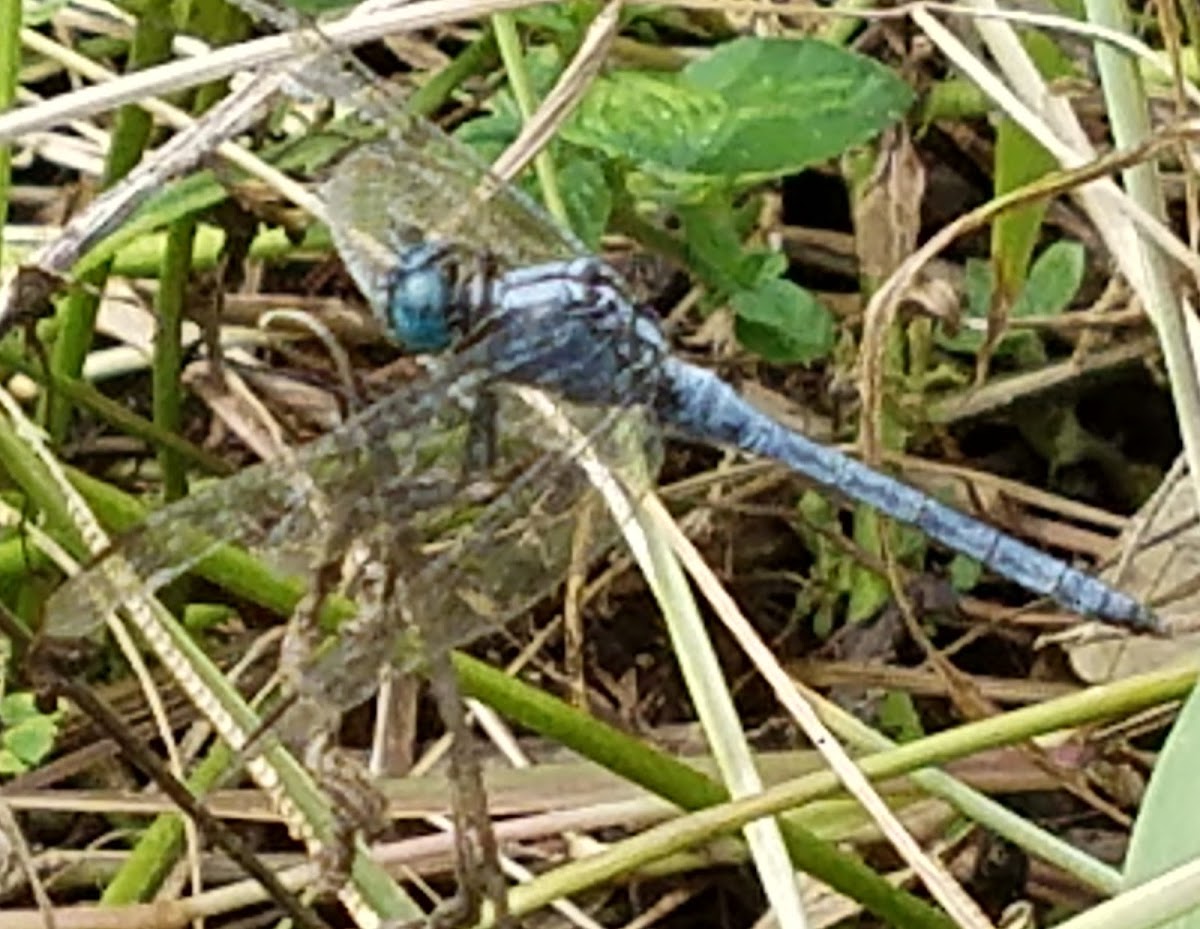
[(571, 327)]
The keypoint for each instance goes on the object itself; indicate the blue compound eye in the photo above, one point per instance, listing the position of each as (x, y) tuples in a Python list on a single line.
[(419, 296)]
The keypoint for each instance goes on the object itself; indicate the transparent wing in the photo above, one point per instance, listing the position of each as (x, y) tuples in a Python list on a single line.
[(487, 546), (418, 184)]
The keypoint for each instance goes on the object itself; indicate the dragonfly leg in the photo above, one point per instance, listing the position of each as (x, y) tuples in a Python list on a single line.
[(481, 447), (328, 680), (476, 851), (359, 804)]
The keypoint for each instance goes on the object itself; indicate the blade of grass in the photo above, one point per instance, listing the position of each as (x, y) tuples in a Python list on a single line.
[(10, 61), (152, 40), (509, 44)]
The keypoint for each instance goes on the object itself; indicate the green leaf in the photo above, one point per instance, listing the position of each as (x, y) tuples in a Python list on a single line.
[(817, 518), (868, 591), (27, 734), (586, 190), (1054, 280), (713, 239), (653, 121), (17, 707), (793, 103), (32, 740), (751, 110), (898, 717), (588, 198), (964, 572), (783, 323), (1020, 159), (11, 764)]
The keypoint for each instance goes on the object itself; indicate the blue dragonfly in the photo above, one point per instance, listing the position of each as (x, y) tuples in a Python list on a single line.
[(562, 320), (454, 263)]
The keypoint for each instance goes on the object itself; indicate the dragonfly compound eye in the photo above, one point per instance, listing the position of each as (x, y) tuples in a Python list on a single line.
[(419, 300)]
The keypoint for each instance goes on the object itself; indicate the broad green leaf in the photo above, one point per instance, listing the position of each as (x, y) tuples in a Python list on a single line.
[(753, 109), (652, 121), (794, 103), (783, 323)]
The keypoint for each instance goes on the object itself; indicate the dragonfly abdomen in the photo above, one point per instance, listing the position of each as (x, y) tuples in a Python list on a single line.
[(701, 405)]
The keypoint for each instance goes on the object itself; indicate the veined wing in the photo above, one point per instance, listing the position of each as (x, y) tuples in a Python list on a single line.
[(401, 460), (418, 184)]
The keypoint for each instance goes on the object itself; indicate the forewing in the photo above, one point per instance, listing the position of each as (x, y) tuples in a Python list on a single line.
[(416, 183)]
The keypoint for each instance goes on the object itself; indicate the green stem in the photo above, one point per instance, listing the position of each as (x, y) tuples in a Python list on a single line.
[(522, 87), (717, 816), (168, 352), (10, 61), (82, 394), (151, 44)]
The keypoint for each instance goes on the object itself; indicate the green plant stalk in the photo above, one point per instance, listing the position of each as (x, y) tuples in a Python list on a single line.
[(151, 44), (209, 690), (686, 787), (10, 63), (518, 77), (1128, 111), (27, 473), (220, 24), (979, 807), (839, 30), (168, 352), (232, 568), (195, 672), (18, 561), (719, 719), (159, 845), (477, 58), (245, 576)]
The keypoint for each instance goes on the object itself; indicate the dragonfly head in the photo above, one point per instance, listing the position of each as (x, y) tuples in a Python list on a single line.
[(420, 299)]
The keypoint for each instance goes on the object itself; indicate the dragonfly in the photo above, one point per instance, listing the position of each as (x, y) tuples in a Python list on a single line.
[(509, 298), (563, 321)]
